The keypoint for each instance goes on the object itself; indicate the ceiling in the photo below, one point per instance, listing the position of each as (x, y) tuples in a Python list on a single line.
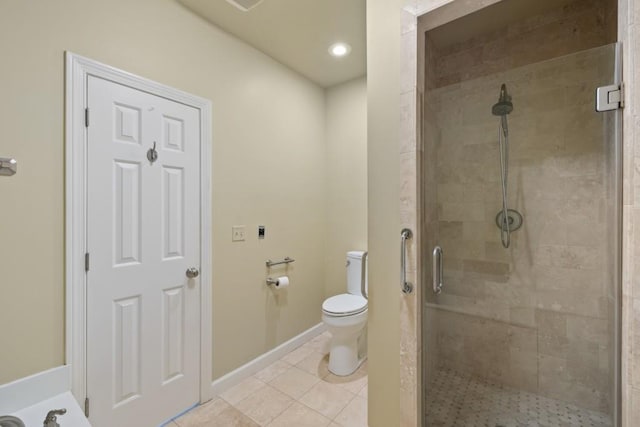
[(298, 33)]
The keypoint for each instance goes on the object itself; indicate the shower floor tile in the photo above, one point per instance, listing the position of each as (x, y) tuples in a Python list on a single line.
[(455, 399)]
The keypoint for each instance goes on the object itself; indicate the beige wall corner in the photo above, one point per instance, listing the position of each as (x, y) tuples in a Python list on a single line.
[(383, 130), (346, 182)]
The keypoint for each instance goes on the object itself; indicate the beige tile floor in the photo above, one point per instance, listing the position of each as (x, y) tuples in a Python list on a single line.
[(296, 391)]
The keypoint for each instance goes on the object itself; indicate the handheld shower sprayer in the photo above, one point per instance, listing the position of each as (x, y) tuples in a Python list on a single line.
[(508, 220)]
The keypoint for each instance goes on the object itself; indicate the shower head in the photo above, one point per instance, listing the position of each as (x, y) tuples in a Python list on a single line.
[(504, 105)]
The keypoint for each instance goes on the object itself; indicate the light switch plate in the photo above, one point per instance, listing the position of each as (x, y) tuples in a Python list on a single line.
[(237, 233)]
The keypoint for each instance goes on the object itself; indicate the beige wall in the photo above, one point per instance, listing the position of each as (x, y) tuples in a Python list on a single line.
[(268, 169), (346, 138), (383, 129)]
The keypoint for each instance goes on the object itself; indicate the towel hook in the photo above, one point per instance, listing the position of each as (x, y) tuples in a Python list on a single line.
[(152, 154)]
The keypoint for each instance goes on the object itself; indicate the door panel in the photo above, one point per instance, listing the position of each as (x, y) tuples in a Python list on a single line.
[(172, 213), (126, 318), (127, 212), (143, 314), (172, 333)]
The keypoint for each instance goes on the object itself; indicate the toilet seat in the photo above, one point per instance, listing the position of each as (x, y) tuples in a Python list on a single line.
[(344, 305)]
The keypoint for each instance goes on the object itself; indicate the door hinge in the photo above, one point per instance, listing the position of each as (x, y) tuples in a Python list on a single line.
[(86, 117), (86, 407), (86, 261), (610, 97)]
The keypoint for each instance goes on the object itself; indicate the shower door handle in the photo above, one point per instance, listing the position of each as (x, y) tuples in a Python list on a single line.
[(437, 270), (407, 287)]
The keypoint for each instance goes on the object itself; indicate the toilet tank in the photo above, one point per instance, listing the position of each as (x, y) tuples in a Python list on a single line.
[(357, 283)]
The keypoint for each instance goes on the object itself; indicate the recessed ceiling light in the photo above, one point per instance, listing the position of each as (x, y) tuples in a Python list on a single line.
[(339, 49)]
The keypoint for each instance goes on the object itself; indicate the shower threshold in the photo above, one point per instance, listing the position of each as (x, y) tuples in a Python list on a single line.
[(455, 399)]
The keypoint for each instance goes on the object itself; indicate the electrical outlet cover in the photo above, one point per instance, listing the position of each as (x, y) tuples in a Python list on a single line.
[(237, 233)]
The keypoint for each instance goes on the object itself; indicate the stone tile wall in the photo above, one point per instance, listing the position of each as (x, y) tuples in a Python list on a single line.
[(628, 19), (576, 26), (537, 316), (410, 158), (629, 36)]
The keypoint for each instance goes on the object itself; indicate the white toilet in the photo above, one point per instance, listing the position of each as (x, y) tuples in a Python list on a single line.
[(346, 318)]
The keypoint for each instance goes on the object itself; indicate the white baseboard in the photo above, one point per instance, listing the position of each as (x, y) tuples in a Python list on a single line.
[(234, 377), (30, 390)]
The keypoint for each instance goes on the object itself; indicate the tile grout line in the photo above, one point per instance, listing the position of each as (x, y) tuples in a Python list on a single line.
[(345, 406), (275, 416), (318, 375), (334, 417)]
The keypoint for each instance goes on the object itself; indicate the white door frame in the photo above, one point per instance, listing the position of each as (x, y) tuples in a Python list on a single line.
[(78, 69)]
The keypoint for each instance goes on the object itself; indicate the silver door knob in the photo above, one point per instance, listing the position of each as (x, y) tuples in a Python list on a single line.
[(192, 272)]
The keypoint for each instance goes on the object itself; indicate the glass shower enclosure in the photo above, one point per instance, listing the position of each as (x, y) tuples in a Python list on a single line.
[(521, 272)]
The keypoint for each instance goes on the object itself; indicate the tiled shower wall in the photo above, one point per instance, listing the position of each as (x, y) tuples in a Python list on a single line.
[(628, 20), (537, 316), (410, 155), (573, 27), (629, 35)]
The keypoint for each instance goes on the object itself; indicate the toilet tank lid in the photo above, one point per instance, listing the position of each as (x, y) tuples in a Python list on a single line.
[(356, 254)]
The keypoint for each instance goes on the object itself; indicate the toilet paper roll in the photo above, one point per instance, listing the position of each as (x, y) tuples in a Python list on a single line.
[(282, 282)]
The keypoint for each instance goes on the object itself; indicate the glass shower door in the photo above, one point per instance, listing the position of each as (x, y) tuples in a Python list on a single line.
[(524, 332)]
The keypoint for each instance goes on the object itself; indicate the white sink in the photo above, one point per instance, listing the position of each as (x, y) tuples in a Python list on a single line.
[(35, 415), (10, 421)]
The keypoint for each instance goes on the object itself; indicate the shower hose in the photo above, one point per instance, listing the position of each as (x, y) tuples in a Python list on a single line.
[(503, 142)]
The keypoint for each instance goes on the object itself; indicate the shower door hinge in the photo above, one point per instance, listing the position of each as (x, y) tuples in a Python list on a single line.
[(86, 261), (86, 117), (610, 97), (86, 407)]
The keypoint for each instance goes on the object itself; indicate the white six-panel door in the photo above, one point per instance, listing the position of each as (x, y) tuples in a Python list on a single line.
[(143, 313)]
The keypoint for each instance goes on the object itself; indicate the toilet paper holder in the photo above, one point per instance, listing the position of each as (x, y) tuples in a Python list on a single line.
[(280, 282)]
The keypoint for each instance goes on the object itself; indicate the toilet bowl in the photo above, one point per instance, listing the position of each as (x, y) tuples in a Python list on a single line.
[(345, 316)]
